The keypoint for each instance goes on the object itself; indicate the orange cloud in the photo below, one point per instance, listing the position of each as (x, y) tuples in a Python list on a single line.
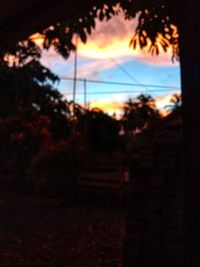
[(109, 107), (37, 38), (112, 39)]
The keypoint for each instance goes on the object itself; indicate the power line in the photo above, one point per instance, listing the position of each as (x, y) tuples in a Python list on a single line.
[(85, 94), (75, 73), (119, 92), (170, 88)]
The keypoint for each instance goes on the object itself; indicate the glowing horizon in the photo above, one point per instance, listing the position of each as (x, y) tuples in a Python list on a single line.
[(115, 107)]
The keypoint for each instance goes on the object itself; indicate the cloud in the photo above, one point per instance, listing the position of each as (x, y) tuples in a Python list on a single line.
[(93, 68), (112, 39), (53, 60), (90, 68), (109, 107)]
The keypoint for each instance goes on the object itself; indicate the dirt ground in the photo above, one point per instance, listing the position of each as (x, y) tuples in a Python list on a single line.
[(45, 233)]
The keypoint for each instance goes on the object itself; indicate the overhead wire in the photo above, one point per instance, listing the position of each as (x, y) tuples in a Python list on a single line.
[(115, 92), (166, 87), (119, 65)]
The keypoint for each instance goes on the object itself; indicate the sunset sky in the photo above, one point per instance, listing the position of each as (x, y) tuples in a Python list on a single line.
[(108, 57)]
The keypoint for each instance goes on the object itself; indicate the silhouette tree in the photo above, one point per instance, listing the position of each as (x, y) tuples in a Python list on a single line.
[(101, 130), (139, 113), (28, 91), (175, 103), (31, 110)]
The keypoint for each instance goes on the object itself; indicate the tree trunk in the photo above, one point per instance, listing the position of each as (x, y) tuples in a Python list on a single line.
[(190, 75)]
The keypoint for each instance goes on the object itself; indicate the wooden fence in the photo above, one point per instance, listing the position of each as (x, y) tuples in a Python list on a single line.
[(104, 179)]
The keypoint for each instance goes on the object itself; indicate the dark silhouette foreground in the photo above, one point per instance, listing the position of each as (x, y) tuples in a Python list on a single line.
[(40, 233)]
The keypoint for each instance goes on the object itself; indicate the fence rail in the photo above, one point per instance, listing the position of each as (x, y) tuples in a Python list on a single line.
[(105, 179)]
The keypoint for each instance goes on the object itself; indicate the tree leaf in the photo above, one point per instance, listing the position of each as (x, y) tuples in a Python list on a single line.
[(83, 36)]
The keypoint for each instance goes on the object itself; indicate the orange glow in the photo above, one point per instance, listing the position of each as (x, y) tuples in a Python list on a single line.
[(116, 48), (103, 45), (162, 102), (116, 107), (37, 38), (109, 107), (175, 33)]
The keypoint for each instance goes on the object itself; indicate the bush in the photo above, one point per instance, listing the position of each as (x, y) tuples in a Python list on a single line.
[(55, 169)]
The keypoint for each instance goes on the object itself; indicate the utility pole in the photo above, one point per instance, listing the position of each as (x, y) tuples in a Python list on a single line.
[(85, 94), (85, 105), (75, 80)]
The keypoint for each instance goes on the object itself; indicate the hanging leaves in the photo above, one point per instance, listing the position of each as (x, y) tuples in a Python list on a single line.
[(82, 35), (154, 28)]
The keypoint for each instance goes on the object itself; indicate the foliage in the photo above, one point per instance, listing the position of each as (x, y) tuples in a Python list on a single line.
[(155, 29), (27, 91), (24, 52), (27, 136), (139, 113), (55, 168), (175, 103), (32, 112), (100, 129), (62, 35), (20, 141)]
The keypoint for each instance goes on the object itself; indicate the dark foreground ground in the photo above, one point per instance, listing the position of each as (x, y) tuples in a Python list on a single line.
[(43, 233)]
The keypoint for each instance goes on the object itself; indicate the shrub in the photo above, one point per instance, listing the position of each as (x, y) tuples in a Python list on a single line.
[(56, 167)]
